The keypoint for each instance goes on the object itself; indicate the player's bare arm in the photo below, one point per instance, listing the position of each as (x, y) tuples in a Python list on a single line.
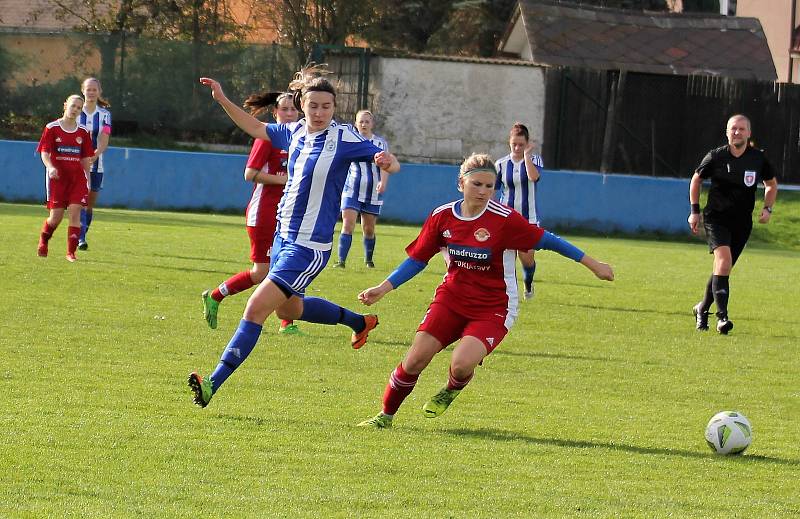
[(52, 172), (372, 295), (249, 124), (770, 194), (694, 201), (530, 167), (387, 162), (601, 270)]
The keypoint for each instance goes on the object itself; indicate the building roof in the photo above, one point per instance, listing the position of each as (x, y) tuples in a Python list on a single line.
[(550, 33)]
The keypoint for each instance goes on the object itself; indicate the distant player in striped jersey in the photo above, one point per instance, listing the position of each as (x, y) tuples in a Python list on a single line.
[(97, 120), (518, 174), (66, 151), (266, 168), (476, 304), (363, 194), (320, 153)]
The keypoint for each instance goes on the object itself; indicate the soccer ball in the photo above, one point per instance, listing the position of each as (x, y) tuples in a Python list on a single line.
[(728, 432)]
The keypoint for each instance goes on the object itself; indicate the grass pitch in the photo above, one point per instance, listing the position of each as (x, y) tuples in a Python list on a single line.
[(593, 406)]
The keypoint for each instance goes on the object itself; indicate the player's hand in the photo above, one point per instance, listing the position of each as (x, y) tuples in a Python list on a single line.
[(694, 221), (52, 173), (765, 216), (383, 159), (216, 88), (529, 149), (372, 295), (601, 270)]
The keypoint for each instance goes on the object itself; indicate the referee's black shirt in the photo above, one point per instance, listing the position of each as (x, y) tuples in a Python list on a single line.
[(732, 196)]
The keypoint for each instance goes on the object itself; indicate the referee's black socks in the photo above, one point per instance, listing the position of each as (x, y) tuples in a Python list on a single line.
[(719, 285)]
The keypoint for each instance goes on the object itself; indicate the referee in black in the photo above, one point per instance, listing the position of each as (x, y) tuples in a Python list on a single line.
[(734, 171)]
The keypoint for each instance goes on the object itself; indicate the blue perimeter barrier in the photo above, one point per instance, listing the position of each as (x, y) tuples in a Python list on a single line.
[(152, 179)]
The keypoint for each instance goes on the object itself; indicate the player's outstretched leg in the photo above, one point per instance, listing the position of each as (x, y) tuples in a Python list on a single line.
[(439, 403), (321, 311), (202, 389), (700, 317), (210, 309), (379, 421)]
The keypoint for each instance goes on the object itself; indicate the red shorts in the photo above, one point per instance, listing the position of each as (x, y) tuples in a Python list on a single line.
[(448, 326), (261, 242), (68, 189)]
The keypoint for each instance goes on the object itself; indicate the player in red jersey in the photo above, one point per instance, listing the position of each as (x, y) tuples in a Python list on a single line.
[(66, 150), (266, 168), (476, 304)]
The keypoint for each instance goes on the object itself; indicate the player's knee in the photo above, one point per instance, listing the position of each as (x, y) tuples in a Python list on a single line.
[(461, 369), (259, 273)]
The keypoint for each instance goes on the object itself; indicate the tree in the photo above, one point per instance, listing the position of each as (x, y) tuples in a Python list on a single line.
[(302, 23), (408, 24)]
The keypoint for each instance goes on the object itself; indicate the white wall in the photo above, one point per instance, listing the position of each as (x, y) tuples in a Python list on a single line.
[(441, 111)]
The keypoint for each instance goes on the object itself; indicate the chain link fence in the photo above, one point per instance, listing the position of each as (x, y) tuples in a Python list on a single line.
[(152, 85)]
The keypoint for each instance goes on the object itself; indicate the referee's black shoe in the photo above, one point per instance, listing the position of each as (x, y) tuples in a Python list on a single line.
[(724, 326), (700, 317)]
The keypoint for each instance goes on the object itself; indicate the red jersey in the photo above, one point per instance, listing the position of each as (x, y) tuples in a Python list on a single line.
[(263, 206), (481, 278), (66, 148)]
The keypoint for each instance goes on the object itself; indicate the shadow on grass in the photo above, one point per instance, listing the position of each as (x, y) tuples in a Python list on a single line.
[(685, 314), (138, 218), (544, 355), (495, 435), (161, 267), (243, 262)]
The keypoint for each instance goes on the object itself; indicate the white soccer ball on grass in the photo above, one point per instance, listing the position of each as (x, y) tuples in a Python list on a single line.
[(729, 432)]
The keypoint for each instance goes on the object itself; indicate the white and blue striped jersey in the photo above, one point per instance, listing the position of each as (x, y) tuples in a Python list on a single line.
[(317, 169), (362, 180), (94, 123), (516, 189)]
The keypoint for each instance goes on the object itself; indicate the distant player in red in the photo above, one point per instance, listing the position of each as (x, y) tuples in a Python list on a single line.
[(66, 150), (476, 304), (266, 168)]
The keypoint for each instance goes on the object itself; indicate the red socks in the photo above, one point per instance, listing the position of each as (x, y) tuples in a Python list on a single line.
[(72, 239), (399, 387), (454, 383), (235, 284), (47, 232)]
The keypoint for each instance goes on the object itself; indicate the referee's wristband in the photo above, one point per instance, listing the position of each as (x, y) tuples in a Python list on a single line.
[(768, 209), (695, 208)]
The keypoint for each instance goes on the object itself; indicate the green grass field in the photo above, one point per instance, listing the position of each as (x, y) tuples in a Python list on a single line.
[(593, 406)]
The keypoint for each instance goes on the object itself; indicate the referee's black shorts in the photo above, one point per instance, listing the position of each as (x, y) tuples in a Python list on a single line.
[(734, 235)]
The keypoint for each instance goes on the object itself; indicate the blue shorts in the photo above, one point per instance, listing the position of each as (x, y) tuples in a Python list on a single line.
[(293, 266), (96, 182), (361, 207)]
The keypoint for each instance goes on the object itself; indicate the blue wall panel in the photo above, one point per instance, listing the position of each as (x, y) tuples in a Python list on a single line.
[(151, 179)]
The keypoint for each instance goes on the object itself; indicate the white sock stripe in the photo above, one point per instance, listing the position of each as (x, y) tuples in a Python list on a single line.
[(223, 289), (313, 268), (396, 383)]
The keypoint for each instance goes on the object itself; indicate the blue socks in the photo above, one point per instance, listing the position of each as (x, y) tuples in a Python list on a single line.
[(86, 221), (345, 241), (240, 346), (529, 272), (369, 248), (322, 311)]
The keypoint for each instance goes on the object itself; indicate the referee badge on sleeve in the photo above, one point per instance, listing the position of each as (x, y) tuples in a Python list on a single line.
[(749, 178)]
